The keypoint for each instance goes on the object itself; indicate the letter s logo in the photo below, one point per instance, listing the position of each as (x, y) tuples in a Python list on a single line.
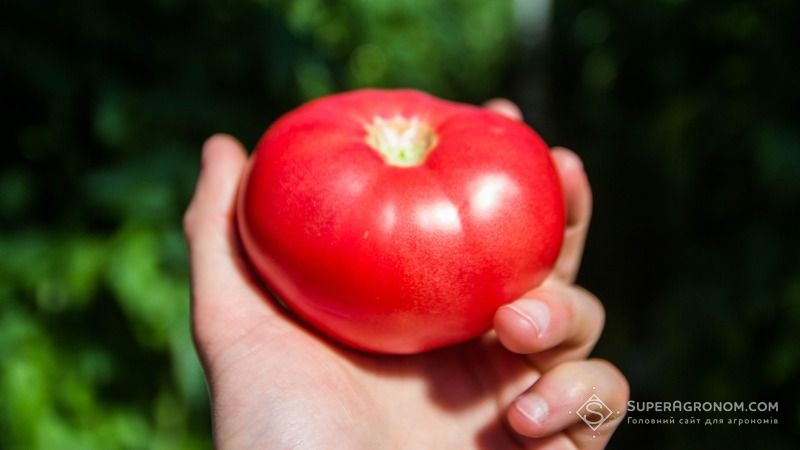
[(594, 412)]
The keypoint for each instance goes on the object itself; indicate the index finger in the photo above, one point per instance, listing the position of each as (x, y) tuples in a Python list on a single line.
[(578, 199)]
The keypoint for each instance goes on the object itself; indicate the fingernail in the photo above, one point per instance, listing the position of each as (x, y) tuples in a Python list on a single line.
[(535, 312), (534, 407)]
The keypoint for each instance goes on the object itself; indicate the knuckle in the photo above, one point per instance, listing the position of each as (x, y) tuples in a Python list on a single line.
[(598, 309), (619, 383), (588, 316), (595, 311), (589, 297)]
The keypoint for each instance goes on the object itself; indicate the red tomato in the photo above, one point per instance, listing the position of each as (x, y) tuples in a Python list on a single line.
[(397, 222)]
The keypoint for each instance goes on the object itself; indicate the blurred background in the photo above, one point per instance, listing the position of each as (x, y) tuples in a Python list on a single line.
[(685, 113)]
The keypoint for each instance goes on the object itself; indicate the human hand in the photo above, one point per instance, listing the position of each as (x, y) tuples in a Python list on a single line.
[(276, 384)]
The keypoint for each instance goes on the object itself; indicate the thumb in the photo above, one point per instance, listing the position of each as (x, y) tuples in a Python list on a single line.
[(226, 302)]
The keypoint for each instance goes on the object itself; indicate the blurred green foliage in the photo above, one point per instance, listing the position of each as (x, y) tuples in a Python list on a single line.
[(685, 113), (106, 106)]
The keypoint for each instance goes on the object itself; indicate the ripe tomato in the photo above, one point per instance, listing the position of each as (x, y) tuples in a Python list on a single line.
[(397, 222)]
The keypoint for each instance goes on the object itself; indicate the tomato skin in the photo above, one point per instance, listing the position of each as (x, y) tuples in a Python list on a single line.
[(399, 259)]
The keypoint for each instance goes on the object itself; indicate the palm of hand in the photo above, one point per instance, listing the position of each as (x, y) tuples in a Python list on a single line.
[(276, 384), (327, 392)]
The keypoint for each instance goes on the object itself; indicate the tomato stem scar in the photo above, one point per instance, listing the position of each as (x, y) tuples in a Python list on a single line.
[(401, 141)]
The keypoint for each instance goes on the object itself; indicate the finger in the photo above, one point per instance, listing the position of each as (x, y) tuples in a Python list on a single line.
[(578, 199), (552, 324), (223, 299), (504, 107), (564, 396)]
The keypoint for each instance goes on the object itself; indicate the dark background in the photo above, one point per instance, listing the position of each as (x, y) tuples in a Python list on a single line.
[(685, 113)]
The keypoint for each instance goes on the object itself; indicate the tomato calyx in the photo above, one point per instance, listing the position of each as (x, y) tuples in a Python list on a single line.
[(401, 141)]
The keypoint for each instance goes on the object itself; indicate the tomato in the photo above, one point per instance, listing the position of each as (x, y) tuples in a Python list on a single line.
[(396, 222)]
